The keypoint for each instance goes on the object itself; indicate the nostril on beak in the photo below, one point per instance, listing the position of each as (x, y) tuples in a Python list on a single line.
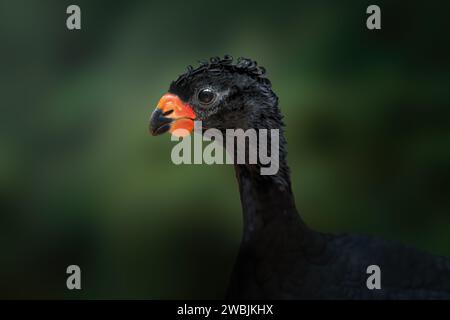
[(167, 112)]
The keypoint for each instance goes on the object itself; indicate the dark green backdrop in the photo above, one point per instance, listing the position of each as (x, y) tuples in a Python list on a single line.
[(82, 182)]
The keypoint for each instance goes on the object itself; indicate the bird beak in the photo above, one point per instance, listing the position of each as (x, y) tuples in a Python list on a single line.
[(173, 115)]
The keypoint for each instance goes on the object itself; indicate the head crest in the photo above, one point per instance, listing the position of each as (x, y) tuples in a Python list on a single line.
[(216, 65)]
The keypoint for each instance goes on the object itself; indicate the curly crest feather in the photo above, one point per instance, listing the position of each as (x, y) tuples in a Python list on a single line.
[(216, 65)]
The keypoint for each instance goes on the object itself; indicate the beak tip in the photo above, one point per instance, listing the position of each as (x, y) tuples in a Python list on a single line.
[(158, 123)]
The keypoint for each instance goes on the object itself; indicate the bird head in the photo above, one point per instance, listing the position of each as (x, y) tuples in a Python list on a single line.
[(221, 93)]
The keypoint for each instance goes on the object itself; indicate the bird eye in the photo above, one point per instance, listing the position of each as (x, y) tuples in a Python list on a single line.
[(206, 96)]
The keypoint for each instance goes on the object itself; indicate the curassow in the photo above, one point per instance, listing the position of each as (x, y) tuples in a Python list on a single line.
[(280, 256)]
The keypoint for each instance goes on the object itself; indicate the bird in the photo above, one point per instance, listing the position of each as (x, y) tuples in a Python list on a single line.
[(280, 256)]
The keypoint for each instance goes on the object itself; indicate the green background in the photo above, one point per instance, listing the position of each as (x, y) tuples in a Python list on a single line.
[(82, 182)]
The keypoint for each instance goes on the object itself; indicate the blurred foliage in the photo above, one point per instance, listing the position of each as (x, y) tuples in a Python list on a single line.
[(82, 182)]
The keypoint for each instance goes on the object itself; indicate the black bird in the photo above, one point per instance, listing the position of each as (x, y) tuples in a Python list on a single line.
[(280, 256)]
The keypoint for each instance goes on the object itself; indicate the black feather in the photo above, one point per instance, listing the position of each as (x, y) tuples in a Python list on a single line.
[(280, 256)]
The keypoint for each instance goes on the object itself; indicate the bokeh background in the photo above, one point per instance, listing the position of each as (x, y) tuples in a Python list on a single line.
[(82, 182)]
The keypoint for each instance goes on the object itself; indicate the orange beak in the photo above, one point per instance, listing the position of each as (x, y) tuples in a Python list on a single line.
[(173, 115)]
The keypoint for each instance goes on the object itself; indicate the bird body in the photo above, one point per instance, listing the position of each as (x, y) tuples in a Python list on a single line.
[(280, 256)]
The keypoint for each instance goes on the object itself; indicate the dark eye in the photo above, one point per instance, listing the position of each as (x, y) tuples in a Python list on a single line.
[(206, 96)]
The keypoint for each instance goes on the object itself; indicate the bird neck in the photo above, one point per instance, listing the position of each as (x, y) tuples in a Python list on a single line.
[(266, 200)]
